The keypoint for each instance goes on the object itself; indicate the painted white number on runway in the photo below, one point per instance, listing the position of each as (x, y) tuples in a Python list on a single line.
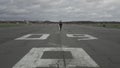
[(34, 37), (81, 36), (33, 59)]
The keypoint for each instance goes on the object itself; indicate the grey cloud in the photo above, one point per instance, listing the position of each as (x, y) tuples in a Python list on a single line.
[(60, 9)]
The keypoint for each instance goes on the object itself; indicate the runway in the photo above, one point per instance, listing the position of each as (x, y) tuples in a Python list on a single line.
[(40, 46)]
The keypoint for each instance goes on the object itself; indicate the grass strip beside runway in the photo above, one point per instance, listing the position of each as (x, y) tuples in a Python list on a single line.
[(11, 25)]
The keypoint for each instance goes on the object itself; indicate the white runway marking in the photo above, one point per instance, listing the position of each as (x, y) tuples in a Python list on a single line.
[(33, 59), (27, 37), (82, 36)]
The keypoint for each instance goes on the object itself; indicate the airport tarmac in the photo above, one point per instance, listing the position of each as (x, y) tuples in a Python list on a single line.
[(44, 46)]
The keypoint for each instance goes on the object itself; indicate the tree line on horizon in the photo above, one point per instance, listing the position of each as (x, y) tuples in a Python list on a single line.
[(68, 22)]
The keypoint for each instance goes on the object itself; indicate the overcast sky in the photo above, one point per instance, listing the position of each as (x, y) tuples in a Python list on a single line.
[(55, 10)]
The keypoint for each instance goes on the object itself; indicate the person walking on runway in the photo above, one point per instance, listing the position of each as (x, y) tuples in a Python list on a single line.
[(60, 25)]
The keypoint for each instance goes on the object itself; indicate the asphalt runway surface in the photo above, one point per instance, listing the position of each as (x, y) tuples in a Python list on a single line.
[(103, 51)]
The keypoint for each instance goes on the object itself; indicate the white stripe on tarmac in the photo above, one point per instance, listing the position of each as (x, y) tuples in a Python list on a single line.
[(26, 37), (82, 36), (89, 37), (33, 59)]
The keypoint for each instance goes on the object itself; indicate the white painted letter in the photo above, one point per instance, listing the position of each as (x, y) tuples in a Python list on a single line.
[(29, 37), (81, 36)]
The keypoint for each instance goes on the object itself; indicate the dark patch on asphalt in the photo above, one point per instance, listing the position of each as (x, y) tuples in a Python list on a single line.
[(57, 55), (35, 36)]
